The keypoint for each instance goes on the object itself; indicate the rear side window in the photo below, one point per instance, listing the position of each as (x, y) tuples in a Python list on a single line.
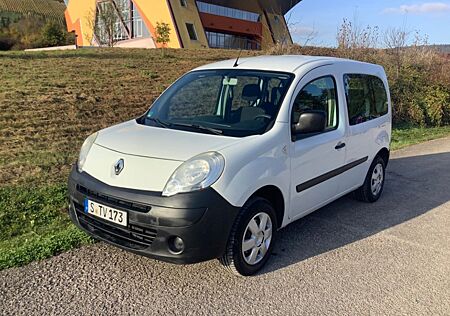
[(366, 98)]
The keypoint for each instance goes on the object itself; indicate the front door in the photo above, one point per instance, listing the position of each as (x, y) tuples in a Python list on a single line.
[(317, 158)]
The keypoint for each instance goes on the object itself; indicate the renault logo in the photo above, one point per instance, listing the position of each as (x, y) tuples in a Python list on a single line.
[(118, 167)]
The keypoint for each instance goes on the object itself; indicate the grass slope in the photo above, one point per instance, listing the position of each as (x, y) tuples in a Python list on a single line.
[(49, 103), (48, 9)]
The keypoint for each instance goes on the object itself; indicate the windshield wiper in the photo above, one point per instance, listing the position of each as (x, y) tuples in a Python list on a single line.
[(195, 126), (199, 127), (159, 122)]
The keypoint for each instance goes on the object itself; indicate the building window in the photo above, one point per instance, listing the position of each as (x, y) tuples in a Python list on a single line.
[(138, 26), (191, 31), (230, 41), (227, 12), (183, 3), (125, 17)]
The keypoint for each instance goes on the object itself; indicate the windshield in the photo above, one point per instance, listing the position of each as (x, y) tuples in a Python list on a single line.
[(224, 102)]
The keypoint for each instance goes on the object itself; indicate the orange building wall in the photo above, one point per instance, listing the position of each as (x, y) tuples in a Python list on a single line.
[(157, 11), (226, 24), (80, 14), (79, 17)]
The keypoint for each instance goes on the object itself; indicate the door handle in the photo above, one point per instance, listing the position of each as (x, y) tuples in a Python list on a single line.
[(340, 145)]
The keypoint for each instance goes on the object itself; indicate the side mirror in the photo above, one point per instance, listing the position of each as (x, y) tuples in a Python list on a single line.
[(310, 122)]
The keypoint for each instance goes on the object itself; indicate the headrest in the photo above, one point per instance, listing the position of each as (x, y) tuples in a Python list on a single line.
[(251, 92), (275, 95)]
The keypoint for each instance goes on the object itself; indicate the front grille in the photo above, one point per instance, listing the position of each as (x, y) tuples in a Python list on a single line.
[(133, 236), (114, 201)]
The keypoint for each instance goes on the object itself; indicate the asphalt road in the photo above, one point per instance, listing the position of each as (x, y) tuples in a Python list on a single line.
[(387, 258)]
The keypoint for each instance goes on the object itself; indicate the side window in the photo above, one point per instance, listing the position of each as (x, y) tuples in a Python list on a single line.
[(318, 95), (380, 97), (366, 98)]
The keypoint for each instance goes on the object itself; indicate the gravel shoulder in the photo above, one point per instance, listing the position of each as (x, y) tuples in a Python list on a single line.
[(387, 258)]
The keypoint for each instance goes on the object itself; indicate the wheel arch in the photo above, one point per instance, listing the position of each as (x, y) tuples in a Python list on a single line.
[(384, 153), (274, 195)]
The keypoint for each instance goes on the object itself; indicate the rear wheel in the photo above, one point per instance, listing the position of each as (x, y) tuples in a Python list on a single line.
[(374, 183), (252, 238)]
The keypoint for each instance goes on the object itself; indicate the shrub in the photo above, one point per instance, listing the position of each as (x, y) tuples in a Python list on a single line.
[(437, 100), (53, 34), (33, 31), (6, 41), (162, 35)]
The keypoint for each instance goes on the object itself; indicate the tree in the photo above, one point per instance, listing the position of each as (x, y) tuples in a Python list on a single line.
[(395, 41), (52, 34), (105, 22), (352, 36), (162, 35)]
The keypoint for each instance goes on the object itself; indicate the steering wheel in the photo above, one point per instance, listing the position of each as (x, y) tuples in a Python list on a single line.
[(263, 116)]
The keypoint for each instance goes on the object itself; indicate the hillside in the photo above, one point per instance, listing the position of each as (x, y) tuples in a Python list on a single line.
[(442, 48), (48, 9)]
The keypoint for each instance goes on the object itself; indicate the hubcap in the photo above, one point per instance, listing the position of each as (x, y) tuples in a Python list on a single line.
[(377, 179), (257, 238)]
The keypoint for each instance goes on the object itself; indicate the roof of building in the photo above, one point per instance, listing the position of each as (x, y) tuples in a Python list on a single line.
[(274, 6), (279, 6)]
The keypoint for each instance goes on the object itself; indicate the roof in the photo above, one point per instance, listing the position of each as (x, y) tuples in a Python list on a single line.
[(273, 6), (285, 63), (279, 6)]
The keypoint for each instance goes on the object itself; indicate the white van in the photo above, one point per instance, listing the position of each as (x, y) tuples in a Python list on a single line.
[(231, 153)]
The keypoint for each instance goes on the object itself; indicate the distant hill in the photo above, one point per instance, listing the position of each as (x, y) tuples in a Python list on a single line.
[(442, 48), (47, 9)]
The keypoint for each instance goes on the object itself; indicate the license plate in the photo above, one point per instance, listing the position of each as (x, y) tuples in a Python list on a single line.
[(105, 212)]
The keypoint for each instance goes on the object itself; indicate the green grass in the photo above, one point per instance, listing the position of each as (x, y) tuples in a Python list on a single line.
[(406, 136), (49, 102), (34, 224)]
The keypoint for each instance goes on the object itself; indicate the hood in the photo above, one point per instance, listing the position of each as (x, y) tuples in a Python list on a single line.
[(150, 154), (162, 143)]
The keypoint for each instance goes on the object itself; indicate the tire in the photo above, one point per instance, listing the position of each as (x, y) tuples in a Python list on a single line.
[(373, 185), (259, 241)]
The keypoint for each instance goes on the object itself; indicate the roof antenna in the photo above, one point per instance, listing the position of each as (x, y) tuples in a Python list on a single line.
[(237, 59)]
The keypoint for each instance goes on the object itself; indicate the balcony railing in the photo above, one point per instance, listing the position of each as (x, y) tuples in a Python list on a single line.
[(227, 12)]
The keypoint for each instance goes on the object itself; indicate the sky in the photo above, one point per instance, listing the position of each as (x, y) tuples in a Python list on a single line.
[(320, 19)]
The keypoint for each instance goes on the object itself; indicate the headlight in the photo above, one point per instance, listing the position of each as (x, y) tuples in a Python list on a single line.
[(85, 151), (195, 174)]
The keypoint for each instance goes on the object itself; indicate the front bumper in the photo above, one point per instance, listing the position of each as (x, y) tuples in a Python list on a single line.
[(203, 219)]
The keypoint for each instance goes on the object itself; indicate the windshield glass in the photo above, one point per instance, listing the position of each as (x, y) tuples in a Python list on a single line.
[(224, 102)]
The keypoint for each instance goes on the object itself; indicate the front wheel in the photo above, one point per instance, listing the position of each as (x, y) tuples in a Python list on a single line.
[(252, 238), (374, 183)]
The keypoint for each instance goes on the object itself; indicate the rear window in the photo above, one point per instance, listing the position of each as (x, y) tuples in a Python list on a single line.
[(366, 98)]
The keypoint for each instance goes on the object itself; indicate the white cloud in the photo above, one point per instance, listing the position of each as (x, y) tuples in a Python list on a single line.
[(302, 30), (428, 7)]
